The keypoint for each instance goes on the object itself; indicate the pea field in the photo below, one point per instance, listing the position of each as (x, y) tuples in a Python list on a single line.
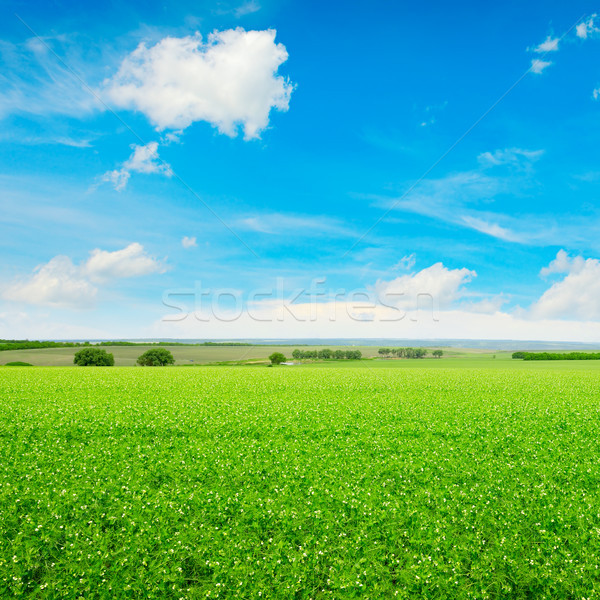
[(298, 483)]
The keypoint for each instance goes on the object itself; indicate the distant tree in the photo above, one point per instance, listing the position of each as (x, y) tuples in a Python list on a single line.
[(353, 354), (438, 353), (518, 354), (93, 357), (297, 354), (277, 358), (420, 353), (156, 357), (339, 354), (384, 351), (325, 354)]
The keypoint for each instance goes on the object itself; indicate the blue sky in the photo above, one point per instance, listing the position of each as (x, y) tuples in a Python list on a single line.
[(432, 153)]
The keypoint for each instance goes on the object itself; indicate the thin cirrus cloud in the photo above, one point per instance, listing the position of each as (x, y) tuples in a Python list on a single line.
[(296, 225), (455, 197), (230, 81), (35, 83), (62, 283)]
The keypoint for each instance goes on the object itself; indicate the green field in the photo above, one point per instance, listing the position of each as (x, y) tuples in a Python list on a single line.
[(301, 482), (126, 356)]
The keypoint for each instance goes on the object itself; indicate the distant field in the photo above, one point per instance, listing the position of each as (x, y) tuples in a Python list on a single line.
[(300, 483), (202, 355), (127, 355)]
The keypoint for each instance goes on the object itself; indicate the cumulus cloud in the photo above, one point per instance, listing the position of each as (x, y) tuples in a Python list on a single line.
[(61, 283), (538, 66), (189, 242), (577, 295), (228, 81), (57, 283), (587, 27), (436, 284), (143, 159), (132, 261)]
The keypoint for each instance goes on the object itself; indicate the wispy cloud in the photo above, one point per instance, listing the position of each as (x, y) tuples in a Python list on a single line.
[(491, 229), (587, 27), (189, 242), (457, 197), (143, 159), (550, 44), (34, 82), (294, 225), (539, 66)]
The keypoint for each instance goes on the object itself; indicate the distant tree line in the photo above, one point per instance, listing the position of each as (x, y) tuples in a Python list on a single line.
[(327, 354), (557, 355), (27, 345), (34, 345), (408, 352)]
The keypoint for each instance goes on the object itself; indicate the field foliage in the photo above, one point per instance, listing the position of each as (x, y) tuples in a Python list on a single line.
[(299, 483)]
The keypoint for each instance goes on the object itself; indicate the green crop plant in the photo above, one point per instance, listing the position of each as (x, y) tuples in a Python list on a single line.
[(299, 483)]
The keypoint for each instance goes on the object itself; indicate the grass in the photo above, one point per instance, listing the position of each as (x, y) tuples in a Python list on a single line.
[(302, 482)]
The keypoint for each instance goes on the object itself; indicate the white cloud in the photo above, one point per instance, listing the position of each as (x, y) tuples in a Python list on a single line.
[(406, 263), (563, 263), (577, 295), (596, 93), (247, 8), (286, 224), (57, 283), (118, 178), (583, 30), (456, 197), (132, 261), (229, 81), (492, 229), (487, 306), (538, 66), (189, 242), (61, 283), (34, 82), (436, 283), (509, 156), (143, 159), (550, 44)]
